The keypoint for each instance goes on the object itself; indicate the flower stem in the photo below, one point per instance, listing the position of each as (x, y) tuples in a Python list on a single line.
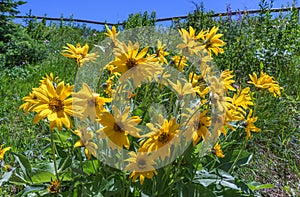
[(237, 157), (76, 70), (53, 156)]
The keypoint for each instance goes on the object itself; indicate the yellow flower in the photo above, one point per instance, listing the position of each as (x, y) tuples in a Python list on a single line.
[(7, 168), (202, 91), (88, 104), (3, 151), (161, 52), (189, 45), (54, 187), (112, 34), (250, 125), (51, 78), (218, 151), (190, 41), (227, 80), (265, 82), (201, 125), (199, 85), (128, 58), (141, 165), (182, 90), (161, 136), (53, 103), (86, 138), (238, 104), (212, 41), (79, 53), (108, 85), (30, 103), (180, 62), (117, 127), (217, 93), (243, 98), (205, 67), (192, 33), (195, 79)]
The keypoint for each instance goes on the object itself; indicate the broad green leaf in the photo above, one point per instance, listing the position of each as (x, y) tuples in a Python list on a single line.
[(18, 179), (6, 176), (24, 163), (230, 185), (31, 189), (257, 186), (88, 167), (206, 182), (223, 174), (41, 176), (228, 161), (137, 112)]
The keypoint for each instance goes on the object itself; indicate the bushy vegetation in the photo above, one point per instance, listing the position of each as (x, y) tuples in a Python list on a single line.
[(268, 164)]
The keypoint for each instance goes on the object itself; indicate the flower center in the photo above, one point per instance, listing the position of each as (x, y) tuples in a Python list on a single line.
[(56, 105), (91, 102), (131, 63), (141, 163), (118, 129), (54, 187), (163, 138)]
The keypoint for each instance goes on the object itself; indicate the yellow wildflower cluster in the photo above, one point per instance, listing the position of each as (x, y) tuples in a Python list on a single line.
[(80, 54), (52, 102), (118, 126), (265, 82), (208, 39)]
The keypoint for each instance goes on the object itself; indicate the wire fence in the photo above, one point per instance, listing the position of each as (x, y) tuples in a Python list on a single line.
[(159, 19)]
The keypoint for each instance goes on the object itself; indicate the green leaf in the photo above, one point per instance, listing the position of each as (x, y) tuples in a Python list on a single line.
[(49, 167), (41, 176), (261, 65), (137, 112), (60, 137), (206, 182), (230, 185), (88, 167), (228, 161), (257, 186), (31, 189), (24, 164), (64, 163), (6, 176), (18, 179)]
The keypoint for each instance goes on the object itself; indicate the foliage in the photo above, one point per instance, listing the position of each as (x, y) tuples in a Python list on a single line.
[(139, 20), (17, 48)]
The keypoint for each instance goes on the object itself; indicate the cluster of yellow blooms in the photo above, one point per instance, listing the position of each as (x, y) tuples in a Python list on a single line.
[(55, 101), (79, 53)]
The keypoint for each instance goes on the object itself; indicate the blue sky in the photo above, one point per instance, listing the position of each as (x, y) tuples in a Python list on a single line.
[(117, 10)]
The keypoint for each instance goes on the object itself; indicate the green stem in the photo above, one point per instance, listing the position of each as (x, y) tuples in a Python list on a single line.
[(53, 156), (94, 167), (76, 70), (165, 179), (255, 102), (80, 159), (237, 158)]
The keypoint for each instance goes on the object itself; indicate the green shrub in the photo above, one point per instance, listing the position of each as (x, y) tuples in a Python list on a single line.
[(16, 46)]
